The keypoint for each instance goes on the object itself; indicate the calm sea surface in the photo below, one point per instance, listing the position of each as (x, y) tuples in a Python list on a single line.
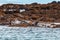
[(29, 33)]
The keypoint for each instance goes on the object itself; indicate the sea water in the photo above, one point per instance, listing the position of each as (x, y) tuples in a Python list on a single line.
[(29, 33)]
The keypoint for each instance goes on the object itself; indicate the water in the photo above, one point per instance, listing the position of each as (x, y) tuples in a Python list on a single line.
[(29, 33)]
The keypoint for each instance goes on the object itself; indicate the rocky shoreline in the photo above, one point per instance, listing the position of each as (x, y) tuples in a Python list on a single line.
[(30, 14)]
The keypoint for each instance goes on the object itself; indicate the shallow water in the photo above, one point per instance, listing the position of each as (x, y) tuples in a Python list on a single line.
[(29, 33)]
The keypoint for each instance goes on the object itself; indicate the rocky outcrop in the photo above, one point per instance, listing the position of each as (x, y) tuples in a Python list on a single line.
[(29, 14)]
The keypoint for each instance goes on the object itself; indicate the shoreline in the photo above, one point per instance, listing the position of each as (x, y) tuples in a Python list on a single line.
[(41, 25)]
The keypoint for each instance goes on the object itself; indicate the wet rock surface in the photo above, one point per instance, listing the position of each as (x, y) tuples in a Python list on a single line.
[(29, 14)]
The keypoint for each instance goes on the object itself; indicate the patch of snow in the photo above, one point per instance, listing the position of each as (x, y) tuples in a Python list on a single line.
[(45, 24), (22, 10), (10, 10), (40, 24), (16, 22), (27, 21), (57, 23)]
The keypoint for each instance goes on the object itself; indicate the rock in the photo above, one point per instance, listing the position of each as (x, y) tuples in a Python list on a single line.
[(30, 14)]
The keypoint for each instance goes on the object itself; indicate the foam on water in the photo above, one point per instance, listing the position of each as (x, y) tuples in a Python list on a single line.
[(29, 33)]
